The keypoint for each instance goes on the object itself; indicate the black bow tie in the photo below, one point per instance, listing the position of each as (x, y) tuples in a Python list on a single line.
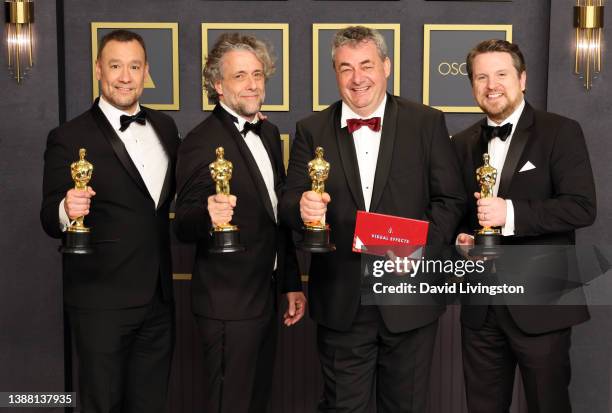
[(126, 121), (501, 132), (248, 126), (253, 127)]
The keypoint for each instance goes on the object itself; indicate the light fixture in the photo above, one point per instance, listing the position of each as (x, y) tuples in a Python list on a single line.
[(19, 19), (588, 21)]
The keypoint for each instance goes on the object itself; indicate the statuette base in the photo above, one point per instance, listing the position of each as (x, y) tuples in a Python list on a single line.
[(76, 241), (226, 239), (316, 239)]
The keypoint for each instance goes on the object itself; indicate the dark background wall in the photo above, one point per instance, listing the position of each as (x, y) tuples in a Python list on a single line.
[(592, 341), (31, 340)]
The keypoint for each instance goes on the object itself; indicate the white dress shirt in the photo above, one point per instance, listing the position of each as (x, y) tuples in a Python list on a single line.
[(264, 164), (367, 143), (144, 148), (498, 150), (258, 150)]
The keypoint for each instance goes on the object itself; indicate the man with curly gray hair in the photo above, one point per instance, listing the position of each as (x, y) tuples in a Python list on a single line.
[(234, 294), (234, 42)]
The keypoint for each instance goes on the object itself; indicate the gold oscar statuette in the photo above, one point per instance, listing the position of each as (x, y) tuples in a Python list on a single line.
[(486, 239), (77, 238), (225, 237), (317, 234)]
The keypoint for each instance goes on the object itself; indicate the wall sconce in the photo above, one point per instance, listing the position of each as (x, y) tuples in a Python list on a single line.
[(588, 21), (19, 18)]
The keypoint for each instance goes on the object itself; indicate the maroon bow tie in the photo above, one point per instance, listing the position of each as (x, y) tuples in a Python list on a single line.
[(354, 124)]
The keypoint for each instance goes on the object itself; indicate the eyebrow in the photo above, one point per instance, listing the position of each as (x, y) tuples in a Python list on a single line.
[(130, 63), (363, 62)]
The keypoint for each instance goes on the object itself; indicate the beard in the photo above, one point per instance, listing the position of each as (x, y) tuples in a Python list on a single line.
[(501, 110), (248, 109)]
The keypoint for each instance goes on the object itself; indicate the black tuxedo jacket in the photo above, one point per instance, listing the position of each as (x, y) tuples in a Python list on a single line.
[(417, 176), (233, 286), (130, 236), (550, 201)]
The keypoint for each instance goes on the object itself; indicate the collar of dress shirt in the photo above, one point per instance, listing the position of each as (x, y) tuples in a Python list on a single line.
[(113, 114), (241, 120), (347, 113), (513, 119)]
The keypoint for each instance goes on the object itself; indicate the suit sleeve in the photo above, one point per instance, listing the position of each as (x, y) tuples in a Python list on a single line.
[(56, 182), (447, 191), (573, 204), (194, 186), (298, 180)]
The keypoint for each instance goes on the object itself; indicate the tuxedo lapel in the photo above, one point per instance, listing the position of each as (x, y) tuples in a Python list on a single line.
[(385, 152), (348, 159), (118, 147), (249, 160), (515, 151), (169, 144)]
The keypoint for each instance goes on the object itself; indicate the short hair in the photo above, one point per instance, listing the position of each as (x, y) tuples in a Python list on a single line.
[(121, 35), (234, 41), (353, 35), (496, 45)]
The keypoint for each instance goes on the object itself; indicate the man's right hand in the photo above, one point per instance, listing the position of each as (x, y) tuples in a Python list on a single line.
[(221, 208), (313, 206), (77, 202)]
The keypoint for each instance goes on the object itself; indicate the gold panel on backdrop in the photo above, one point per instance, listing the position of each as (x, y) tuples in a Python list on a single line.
[(170, 81), (282, 106), (427, 52), (318, 27)]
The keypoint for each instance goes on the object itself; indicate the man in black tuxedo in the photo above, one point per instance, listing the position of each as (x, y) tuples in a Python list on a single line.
[(234, 294), (399, 161), (119, 298), (544, 191)]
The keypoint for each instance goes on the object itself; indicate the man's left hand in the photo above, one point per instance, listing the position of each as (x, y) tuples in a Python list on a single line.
[(296, 308), (491, 211)]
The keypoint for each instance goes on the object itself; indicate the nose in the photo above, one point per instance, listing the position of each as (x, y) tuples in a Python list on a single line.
[(357, 76), (251, 83), (491, 83), (125, 75)]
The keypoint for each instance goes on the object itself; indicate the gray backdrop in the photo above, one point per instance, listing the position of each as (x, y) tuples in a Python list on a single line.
[(31, 337)]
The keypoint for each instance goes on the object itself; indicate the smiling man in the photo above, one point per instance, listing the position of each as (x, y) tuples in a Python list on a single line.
[(545, 191), (234, 295), (119, 298), (389, 156)]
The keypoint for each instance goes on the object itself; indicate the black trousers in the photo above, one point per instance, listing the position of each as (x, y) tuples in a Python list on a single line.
[(124, 357), (490, 357), (370, 366), (238, 363)]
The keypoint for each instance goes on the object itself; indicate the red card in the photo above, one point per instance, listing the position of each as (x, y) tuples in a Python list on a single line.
[(376, 234)]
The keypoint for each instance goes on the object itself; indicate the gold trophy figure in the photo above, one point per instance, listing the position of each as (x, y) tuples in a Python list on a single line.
[(316, 234), (77, 236), (486, 239), (225, 237)]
